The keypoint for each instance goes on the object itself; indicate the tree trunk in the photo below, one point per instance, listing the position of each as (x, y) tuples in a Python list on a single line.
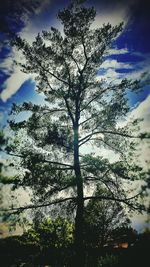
[(79, 251)]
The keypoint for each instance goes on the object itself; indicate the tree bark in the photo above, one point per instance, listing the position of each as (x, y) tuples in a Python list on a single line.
[(79, 250)]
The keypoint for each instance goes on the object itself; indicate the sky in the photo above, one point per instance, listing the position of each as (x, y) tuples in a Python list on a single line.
[(129, 56)]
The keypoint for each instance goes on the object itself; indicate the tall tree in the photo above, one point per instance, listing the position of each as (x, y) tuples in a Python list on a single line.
[(80, 108)]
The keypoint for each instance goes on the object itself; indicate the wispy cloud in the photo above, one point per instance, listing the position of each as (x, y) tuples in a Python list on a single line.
[(116, 70), (113, 16), (141, 69), (117, 51), (114, 64)]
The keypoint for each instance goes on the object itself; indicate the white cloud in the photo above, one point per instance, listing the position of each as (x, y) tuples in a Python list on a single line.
[(118, 51), (37, 24), (110, 76), (114, 64), (7, 65), (114, 17), (140, 221), (14, 82), (142, 111), (138, 70), (16, 76)]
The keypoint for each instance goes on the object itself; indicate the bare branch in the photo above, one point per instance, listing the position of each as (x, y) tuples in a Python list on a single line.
[(22, 208), (120, 87), (70, 167), (119, 133), (100, 179), (85, 141), (69, 110), (52, 74), (123, 200), (58, 163), (85, 107), (66, 65), (111, 147), (97, 96), (88, 137), (84, 49), (90, 118), (75, 62), (57, 189)]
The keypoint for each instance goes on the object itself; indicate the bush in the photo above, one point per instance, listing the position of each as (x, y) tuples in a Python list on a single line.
[(108, 261)]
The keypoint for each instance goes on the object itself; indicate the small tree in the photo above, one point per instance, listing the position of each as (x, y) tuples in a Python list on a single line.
[(80, 109), (50, 233), (102, 219)]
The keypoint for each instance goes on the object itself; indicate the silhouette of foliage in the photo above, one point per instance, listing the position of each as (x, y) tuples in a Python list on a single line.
[(102, 219)]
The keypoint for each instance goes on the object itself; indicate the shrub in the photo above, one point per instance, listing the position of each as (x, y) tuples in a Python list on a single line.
[(108, 261)]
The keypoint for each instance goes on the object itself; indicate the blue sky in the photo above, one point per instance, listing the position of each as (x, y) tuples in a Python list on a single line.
[(131, 49)]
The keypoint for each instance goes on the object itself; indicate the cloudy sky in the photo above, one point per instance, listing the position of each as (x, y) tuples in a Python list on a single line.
[(128, 57)]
